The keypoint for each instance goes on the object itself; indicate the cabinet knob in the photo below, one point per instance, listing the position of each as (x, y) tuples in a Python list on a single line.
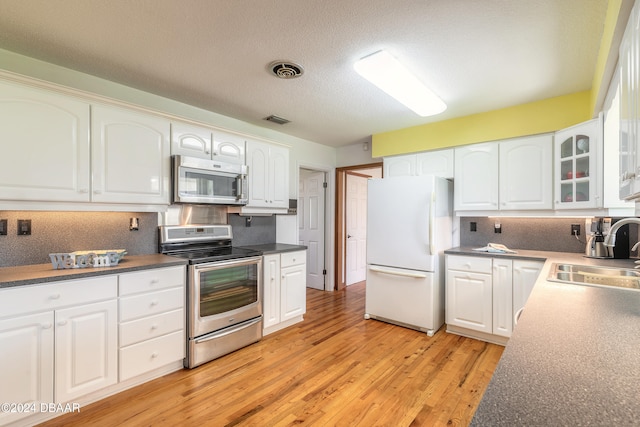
[(54, 296), (46, 325), (154, 282), (83, 190), (154, 327), (62, 322), (154, 302), (154, 355)]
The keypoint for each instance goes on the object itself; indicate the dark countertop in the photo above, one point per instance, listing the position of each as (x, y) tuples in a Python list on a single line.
[(573, 358), (273, 248), (41, 273)]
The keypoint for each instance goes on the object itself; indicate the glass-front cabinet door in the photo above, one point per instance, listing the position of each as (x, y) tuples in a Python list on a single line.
[(578, 169)]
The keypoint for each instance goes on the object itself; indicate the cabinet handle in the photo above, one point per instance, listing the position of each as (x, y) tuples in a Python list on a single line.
[(62, 322), (46, 325), (83, 190), (154, 282), (154, 355), (467, 265), (154, 302), (97, 191), (154, 327), (54, 296)]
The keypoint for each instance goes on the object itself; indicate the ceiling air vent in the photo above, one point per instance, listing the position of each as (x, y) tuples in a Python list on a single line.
[(276, 119), (286, 69)]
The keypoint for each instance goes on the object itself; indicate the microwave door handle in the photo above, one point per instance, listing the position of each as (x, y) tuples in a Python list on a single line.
[(240, 185)]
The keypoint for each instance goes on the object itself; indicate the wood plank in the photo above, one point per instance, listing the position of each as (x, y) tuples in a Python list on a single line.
[(334, 368)]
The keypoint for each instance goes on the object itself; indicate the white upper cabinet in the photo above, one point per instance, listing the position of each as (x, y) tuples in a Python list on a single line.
[(205, 143), (578, 166), (130, 156), (476, 177), (229, 147), (190, 140), (399, 165), (526, 173), (45, 145), (268, 175), (629, 63), (438, 163)]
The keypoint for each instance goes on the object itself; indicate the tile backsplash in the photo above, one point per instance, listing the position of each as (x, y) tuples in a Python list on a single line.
[(53, 232)]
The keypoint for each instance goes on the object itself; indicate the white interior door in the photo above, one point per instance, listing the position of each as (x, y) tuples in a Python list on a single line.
[(356, 221), (311, 202)]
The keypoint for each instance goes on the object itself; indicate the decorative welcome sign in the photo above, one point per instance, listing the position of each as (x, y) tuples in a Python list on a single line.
[(86, 259)]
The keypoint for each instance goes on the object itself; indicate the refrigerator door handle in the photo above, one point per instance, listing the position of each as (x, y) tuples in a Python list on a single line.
[(397, 273), (432, 217)]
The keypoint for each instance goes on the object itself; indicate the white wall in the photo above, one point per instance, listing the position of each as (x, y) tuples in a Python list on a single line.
[(354, 154)]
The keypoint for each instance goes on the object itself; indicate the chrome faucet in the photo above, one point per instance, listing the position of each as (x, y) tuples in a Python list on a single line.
[(610, 239)]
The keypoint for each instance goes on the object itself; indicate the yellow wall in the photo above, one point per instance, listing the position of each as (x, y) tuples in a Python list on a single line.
[(527, 119)]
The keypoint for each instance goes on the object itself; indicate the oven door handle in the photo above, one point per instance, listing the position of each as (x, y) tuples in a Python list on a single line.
[(229, 330)]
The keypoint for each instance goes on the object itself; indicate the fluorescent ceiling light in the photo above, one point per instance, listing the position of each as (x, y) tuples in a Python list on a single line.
[(384, 71)]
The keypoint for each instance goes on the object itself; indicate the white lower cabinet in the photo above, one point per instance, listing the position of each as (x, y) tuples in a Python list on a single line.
[(75, 341), (58, 341), (284, 283), (26, 362), (152, 320), (483, 294)]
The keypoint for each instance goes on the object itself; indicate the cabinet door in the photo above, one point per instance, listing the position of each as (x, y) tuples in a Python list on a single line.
[(438, 163), (190, 140), (258, 163), (45, 146), (502, 297), (476, 177), (271, 286), (469, 300), (26, 362), (525, 274), (229, 148), (293, 292), (279, 177), (628, 105), (86, 349), (526, 173), (399, 166), (130, 157), (578, 166)]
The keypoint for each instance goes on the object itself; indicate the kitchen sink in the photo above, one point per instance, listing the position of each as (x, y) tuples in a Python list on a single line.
[(627, 278)]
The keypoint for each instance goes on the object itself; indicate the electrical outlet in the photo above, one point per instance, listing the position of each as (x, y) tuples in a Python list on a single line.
[(473, 226), (497, 228), (24, 227), (575, 229), (3, 227)]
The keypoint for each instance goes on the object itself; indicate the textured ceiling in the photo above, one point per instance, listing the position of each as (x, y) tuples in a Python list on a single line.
[(478, 55)]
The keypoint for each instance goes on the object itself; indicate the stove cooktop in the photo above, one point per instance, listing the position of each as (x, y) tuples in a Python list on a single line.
[(203, 255)]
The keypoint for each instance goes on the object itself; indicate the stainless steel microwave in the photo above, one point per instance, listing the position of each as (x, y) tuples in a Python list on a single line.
[(204, 181)]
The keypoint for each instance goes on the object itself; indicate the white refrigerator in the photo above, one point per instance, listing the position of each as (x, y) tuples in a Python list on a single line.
[(409, 225)]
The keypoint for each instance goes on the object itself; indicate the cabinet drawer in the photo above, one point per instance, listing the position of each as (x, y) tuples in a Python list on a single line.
[(151, 280), (137, 306), (469, 263), (287, 259), (148, 355), (31, 299), (151, 327)]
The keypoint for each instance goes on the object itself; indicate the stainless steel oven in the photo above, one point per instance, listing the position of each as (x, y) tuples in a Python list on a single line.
[(224, 290)]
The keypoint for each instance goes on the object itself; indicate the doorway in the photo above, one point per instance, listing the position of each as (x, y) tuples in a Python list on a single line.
[(351, 212), (311, 224)]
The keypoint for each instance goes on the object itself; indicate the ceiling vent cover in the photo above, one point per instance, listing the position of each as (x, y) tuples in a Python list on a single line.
[(286, 69), (276, 119)]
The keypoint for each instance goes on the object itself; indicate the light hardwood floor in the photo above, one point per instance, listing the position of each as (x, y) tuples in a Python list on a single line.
[(333, 369)]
